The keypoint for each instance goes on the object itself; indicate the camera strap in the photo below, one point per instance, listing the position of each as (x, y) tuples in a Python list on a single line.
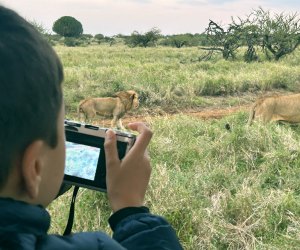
[(69, 226)]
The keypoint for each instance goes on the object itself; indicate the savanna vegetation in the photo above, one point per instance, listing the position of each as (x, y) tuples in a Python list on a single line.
[(274, 34), (219, 189), (167, 78)]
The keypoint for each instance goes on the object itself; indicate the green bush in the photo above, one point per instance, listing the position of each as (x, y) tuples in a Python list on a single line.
[(71, 42)]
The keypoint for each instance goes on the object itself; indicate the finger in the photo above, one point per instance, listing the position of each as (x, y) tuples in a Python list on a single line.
[(144, 137), (111, 152)]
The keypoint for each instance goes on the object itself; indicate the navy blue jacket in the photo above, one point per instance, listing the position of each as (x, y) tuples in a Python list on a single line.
[(24, 226)]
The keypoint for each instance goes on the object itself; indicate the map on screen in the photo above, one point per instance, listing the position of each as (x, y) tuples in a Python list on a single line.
[(81, 160)]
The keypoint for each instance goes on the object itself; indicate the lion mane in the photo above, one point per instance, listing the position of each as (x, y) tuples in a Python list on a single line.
[(115, 106), (276, 108)]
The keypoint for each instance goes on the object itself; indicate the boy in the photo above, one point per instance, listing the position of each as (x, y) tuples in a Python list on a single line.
[(32, 151)]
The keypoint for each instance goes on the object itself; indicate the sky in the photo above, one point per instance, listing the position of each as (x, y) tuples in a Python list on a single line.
[(112, 17)]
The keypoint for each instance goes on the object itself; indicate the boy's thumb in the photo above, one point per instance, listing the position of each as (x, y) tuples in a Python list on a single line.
[(110, 147)]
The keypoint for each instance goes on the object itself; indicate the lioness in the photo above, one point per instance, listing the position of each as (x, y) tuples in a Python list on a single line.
[(115, 106), (276, 108)]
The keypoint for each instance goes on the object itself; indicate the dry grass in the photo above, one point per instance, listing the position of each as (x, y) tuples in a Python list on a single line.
[(219, 189)]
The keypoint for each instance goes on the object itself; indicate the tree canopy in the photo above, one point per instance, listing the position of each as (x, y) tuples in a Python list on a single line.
[(67, 26)]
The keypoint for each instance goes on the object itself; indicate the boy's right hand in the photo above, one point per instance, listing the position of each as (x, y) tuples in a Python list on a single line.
[(127, 180)]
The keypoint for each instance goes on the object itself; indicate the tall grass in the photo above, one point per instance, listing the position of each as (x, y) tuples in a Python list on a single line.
[(168, 78), (236, 190), (219, 189)]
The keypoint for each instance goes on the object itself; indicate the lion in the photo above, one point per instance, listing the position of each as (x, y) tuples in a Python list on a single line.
[(284, 108), (115, 107)]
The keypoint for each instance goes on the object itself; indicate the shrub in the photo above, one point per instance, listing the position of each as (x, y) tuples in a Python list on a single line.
[(71, 42)]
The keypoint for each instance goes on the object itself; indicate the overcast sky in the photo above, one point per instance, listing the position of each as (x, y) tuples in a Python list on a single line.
[(112, 17)]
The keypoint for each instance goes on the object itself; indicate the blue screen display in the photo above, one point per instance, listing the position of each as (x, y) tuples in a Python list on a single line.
[(81, 160)]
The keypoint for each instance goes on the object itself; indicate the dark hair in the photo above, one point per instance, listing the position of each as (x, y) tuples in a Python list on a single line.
[(30, 89)]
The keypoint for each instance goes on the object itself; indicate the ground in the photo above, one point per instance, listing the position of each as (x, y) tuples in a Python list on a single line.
[(205, 113), (217, 108)]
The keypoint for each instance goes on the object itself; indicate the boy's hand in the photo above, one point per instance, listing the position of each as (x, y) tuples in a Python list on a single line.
[(127, 180)]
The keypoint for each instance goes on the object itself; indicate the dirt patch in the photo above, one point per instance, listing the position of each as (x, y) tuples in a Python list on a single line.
[(205, 114), (218, 113)]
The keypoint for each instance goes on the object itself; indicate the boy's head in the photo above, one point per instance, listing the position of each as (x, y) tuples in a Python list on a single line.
[(31, 103)]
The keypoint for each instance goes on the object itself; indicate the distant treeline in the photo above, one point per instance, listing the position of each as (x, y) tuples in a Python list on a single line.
[(149, 39), (276, 35)]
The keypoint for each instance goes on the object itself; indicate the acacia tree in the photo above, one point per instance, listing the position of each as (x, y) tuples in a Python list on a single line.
[(280, 34), (224, 41), (150, 38), (248, 36), (277, 35), (39, 27), (180, 40), (67, 26)]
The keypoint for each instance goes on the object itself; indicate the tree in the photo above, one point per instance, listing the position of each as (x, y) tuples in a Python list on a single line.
[(106, 39), (99, 37), (187, 39), (67, 26), (39, 27), (224, 41), (144, 40), (277, 35), (177, 41), (151, 37), (43, 31), (111, 40), (280, 33), (248, 34), (252, 40), (180, 40)]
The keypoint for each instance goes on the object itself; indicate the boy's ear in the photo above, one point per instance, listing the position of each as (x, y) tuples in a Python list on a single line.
[(32, 167)]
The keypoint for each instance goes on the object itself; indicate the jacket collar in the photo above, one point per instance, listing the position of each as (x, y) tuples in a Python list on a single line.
[(21, 217)]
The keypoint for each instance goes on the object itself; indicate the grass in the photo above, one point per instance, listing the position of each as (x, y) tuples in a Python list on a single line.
[(219, 189), (167, 78)]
